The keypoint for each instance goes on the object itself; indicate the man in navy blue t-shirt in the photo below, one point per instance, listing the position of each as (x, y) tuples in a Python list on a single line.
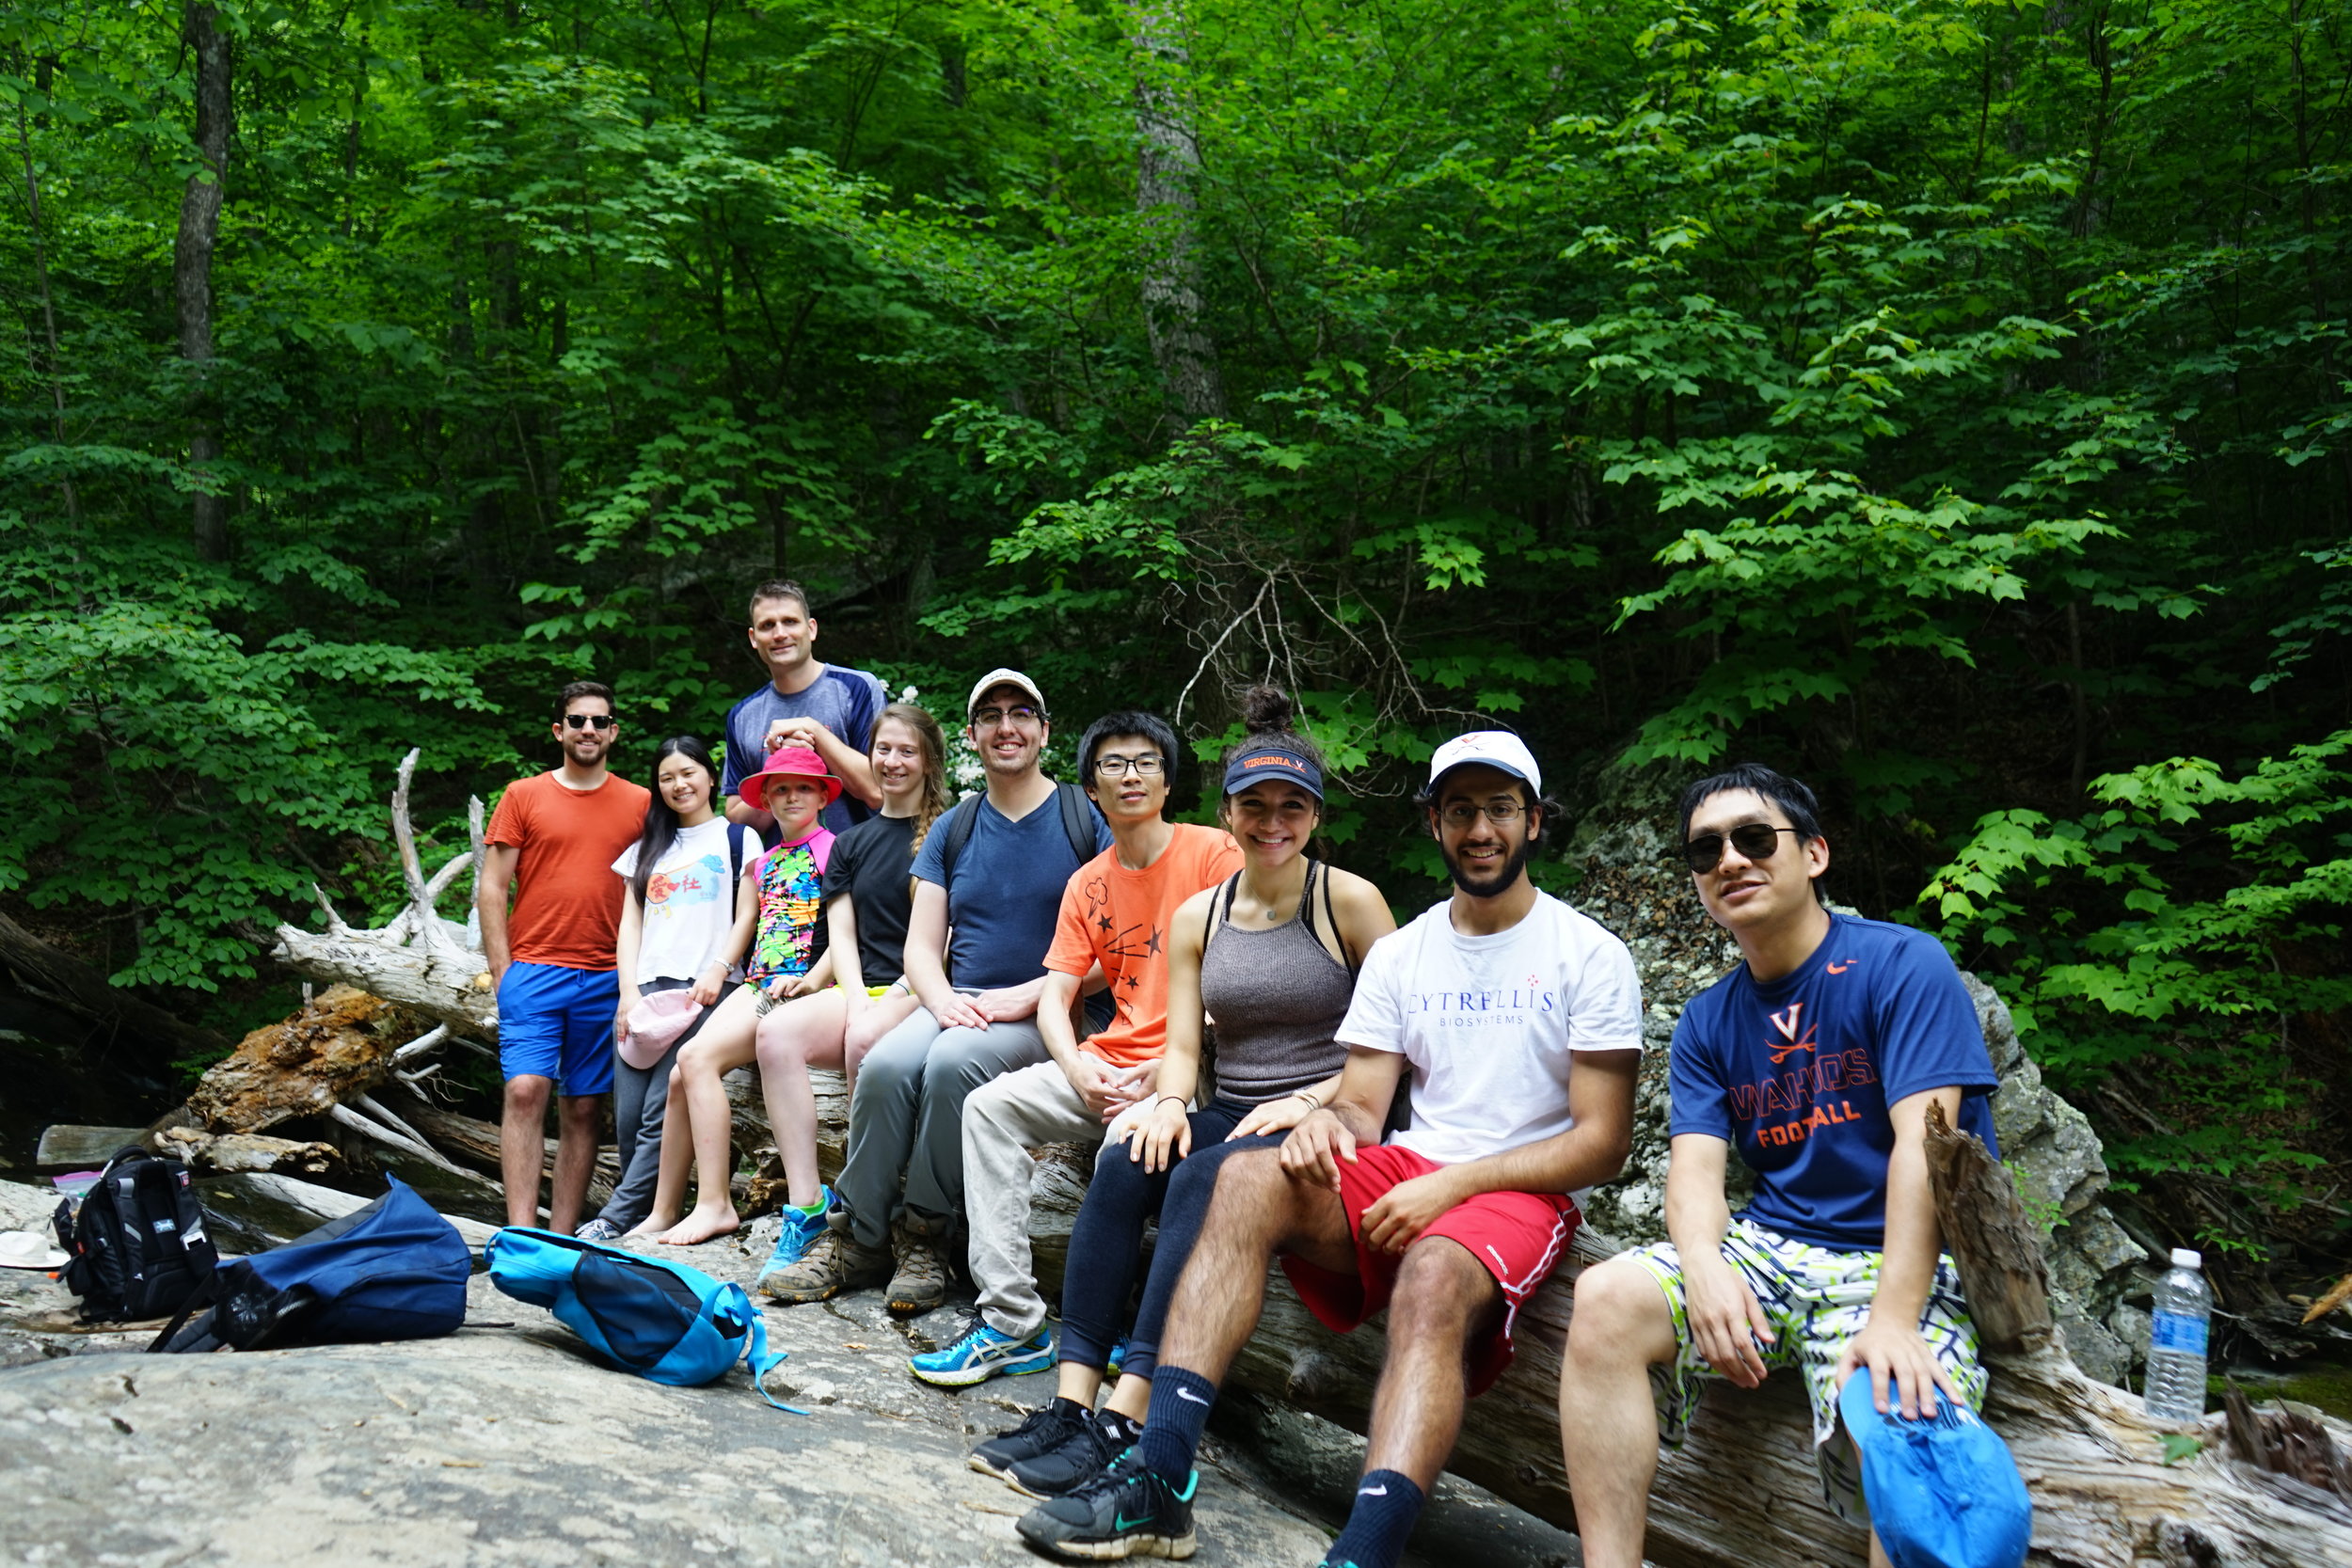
[(807, 702), (976, 938), (1819, 1057)]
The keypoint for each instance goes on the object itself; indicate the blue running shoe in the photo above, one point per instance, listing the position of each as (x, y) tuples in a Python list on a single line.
[(983, 1354), (801, 1227)]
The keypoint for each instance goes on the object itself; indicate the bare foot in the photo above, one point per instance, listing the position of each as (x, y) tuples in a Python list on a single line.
[(700, 1227), (650, 1226)]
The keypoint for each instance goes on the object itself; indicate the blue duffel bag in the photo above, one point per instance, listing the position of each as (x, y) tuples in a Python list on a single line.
[(394, 1270), (659, 1320)]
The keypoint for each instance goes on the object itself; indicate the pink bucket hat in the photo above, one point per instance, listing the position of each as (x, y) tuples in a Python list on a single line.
[(654, 1025), (794, 762)]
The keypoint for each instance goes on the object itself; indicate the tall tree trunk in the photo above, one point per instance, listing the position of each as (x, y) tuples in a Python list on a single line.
[(48, 311), (192, 267), (1167, 162)]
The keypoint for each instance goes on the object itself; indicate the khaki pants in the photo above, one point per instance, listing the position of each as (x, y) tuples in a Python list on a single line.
[(1003, 1120)]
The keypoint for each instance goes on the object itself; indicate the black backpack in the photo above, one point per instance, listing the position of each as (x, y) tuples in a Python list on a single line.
[(137, 1243), (1078, 818)]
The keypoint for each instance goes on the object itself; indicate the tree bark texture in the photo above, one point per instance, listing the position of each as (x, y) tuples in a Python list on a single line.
[(192, 269), (66, 982), (1168, 164)]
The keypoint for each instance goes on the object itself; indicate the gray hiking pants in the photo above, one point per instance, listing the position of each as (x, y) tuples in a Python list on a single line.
[(906, 1120), (640, 1099), (1002, 1122)]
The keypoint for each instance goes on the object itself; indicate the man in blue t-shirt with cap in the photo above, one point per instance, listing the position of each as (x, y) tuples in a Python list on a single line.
[(1818, 1057)]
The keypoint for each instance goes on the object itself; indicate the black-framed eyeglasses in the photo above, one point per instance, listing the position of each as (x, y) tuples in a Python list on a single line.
[(993, 718), (1461, 813), (589, 720), (1755, 841), (1110, 765)]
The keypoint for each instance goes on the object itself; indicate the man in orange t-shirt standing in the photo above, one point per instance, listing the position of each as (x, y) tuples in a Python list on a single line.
[(1115, 912), (554, 839)]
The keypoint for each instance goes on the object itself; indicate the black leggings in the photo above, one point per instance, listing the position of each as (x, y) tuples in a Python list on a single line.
[(1107, 1240)]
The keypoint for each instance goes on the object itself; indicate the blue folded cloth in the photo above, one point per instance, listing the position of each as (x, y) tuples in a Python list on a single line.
[(1942, 1490)]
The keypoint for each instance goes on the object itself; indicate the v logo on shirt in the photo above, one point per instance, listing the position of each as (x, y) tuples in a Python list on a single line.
[(1786, 1022)]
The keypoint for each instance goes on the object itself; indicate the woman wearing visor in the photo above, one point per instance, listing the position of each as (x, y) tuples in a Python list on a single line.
[(1271, 954)]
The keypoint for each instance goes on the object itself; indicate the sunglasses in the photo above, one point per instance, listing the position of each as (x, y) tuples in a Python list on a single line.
[(588, 720), (1755, 840)]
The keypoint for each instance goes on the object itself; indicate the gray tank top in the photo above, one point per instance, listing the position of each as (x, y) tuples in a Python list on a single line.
[(1278, 997)]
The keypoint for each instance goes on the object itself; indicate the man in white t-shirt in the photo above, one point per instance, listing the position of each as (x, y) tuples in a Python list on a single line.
[(1520, 1022)]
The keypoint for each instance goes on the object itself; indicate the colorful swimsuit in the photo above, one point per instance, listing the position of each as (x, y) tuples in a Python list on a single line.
[(786, 940)]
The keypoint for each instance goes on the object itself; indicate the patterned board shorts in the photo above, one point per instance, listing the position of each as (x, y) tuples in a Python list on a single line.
[(1817, 1299)]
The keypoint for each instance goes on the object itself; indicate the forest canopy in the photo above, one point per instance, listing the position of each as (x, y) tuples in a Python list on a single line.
[(1947, 402)]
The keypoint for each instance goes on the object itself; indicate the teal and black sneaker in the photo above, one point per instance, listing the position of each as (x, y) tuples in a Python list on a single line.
[(1127, 1511), (801, 1227), (983, 1354)]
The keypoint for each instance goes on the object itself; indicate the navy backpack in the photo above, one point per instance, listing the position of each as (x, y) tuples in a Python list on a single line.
[(659, 1320), (394, 1270)]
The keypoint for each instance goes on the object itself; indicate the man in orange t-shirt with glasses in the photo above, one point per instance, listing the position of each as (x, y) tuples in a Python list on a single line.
[(1115, 912), (554, 840)]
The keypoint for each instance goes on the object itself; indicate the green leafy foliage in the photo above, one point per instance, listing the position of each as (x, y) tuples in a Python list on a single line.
[(1949, 402)]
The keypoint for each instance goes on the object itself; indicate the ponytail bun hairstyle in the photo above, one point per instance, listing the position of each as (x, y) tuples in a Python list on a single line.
[(1272, 719)]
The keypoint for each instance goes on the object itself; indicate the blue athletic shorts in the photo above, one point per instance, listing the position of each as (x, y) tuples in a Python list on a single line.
[(557, 1022)]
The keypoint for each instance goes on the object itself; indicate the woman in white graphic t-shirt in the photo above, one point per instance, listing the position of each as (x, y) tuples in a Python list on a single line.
[(683, 928)]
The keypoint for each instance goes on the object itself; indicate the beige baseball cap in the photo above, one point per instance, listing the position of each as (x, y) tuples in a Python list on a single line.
[(1002, 677)]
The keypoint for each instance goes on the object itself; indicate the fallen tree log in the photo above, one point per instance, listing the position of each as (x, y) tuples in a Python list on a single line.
[(471, 1141), (65, 982), (248, 1153), (338, 1047)]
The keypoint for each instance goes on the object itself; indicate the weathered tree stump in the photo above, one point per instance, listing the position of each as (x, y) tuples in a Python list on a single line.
[(336, 1048)]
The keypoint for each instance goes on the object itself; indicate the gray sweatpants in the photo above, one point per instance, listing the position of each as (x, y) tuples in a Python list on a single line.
[(1002, 1122), (906, 1119), (640, 1100)]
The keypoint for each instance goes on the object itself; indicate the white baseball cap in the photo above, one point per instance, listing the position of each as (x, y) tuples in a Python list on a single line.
[(1002, 677), (1495, 749)]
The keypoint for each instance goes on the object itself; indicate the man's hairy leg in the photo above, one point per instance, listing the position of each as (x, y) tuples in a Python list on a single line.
[(1443, 1297), (1608, 1424), (522, 1145), (1256, 1212), (577, 1115)]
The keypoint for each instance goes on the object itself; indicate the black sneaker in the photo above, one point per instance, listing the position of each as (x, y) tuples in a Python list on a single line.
[(1125, 1512), (1077, 1459), (1044, 1430)]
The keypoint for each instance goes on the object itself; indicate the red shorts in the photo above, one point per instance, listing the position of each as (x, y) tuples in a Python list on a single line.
[(1519, 1237)]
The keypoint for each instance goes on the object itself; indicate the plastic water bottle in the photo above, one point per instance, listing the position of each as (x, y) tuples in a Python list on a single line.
[(2176, 1390)]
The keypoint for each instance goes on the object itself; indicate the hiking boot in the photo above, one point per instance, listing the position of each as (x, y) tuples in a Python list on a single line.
[(1077, 1459), (921, 1280), (801, 1230), (834, 1263), (1125, 1512), (1041, 1431)]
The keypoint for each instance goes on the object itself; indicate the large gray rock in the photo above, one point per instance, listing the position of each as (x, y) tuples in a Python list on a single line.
[(1631, 886), (511, 1445), (508, 1443)]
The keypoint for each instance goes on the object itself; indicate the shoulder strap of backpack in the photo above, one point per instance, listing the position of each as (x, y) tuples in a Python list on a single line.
[(1077, 820), (961, 820), (734, 871)]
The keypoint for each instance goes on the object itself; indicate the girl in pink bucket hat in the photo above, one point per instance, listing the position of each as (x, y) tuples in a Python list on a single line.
[(787, 960)]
